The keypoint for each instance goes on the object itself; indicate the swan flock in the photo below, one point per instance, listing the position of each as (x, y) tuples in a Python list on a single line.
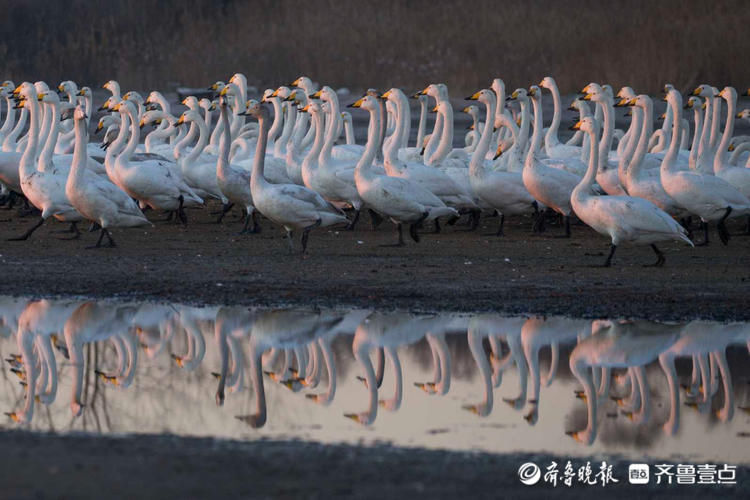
[(300, 167)]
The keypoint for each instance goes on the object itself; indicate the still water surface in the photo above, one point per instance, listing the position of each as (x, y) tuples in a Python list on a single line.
[(455, 381)]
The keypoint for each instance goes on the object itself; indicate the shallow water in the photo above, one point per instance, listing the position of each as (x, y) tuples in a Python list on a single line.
[(160, 368)]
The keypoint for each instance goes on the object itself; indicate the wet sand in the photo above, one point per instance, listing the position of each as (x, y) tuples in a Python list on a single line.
[(144, 466), (208, 263)]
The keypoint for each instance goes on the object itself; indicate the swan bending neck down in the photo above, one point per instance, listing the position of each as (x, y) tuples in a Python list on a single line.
[(289, 205), (624, 219)]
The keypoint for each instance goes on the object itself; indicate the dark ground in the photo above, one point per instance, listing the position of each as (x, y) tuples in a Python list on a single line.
[(518, 273), (52, 466)]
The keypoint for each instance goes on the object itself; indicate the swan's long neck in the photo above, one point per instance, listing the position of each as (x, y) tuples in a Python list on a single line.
[(579, 369), (633, 142), (27, 164), (280, 146), (552, 139), (311, 160), (278, 119), (636, 161), (361, 355), (605, 144), (258, 178), (404, 116), (704, 147), (674, 100), (446, 139), (222, 165), (422, 123), (46, 125), (45, 158), (80, 155), (114, 149), (666, 360), (523, 132), (476, 165), (10, 117), (363, 169), (127, 153), (432, 144), (715, 121), (698, 121), (334, 117), (583, 189), (9, 144), (536, 138), (720, 160), (474, 339), (25, 341), (391, 151), (216, 135), (199, 146)]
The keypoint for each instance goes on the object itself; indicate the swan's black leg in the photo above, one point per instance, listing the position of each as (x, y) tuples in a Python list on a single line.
[(306, 235), (375, 218), (181, 211), (567, 228), (437, 226), (399, 229), (539, 222), (224, 209), (111, 243), (500, 228), (290, 239), (687, 224), (413, 228), (26, 235), (608, 262), (705, 242), (73, 229), (721, 226), (94, 227), (99, 241), (660, 260), (353, 223)]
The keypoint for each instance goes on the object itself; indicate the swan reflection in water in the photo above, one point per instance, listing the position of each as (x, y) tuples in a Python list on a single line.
[(613, 362)]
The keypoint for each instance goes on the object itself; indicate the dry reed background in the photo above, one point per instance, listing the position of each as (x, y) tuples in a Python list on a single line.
[(159, 43)]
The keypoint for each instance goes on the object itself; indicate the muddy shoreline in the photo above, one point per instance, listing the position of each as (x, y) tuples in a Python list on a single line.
[(208, 263), (37, 465)]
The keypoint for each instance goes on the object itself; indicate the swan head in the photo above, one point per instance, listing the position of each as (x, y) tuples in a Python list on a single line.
[(547, 82), (367, 102), (191, 102), (282, 92), (133, 96), (483, 95), (519, 94), (693, 102), (586, 124), (217, 86), (728, 94), (49, 97), (7, 84), (704, 90), (303, 83), (239, 79), (112, 86), (109, 104), (534, 92), (297, 97), (626, 93), (360, 418), (68, 87), (745, 113), (256, 110), (206, 104), (591, 88), (84, 92)]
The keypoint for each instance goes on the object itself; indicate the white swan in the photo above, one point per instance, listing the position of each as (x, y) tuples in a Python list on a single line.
[(152, 182), (289, 205), (739, 177), (98, 200), (503, 191), (401, 200), (552, 145), (548, 185), (707, 196), (624, 219)]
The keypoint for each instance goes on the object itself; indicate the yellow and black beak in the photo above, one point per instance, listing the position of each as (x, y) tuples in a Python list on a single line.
[(632, 102), (307, 108), (577, 126), (355, 104), (697, 91), (499, 152), (317, 94), (224, 91), (40, 96), (586, 97), (622, 102), (292, 96), (474, 96), (386, 95)]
